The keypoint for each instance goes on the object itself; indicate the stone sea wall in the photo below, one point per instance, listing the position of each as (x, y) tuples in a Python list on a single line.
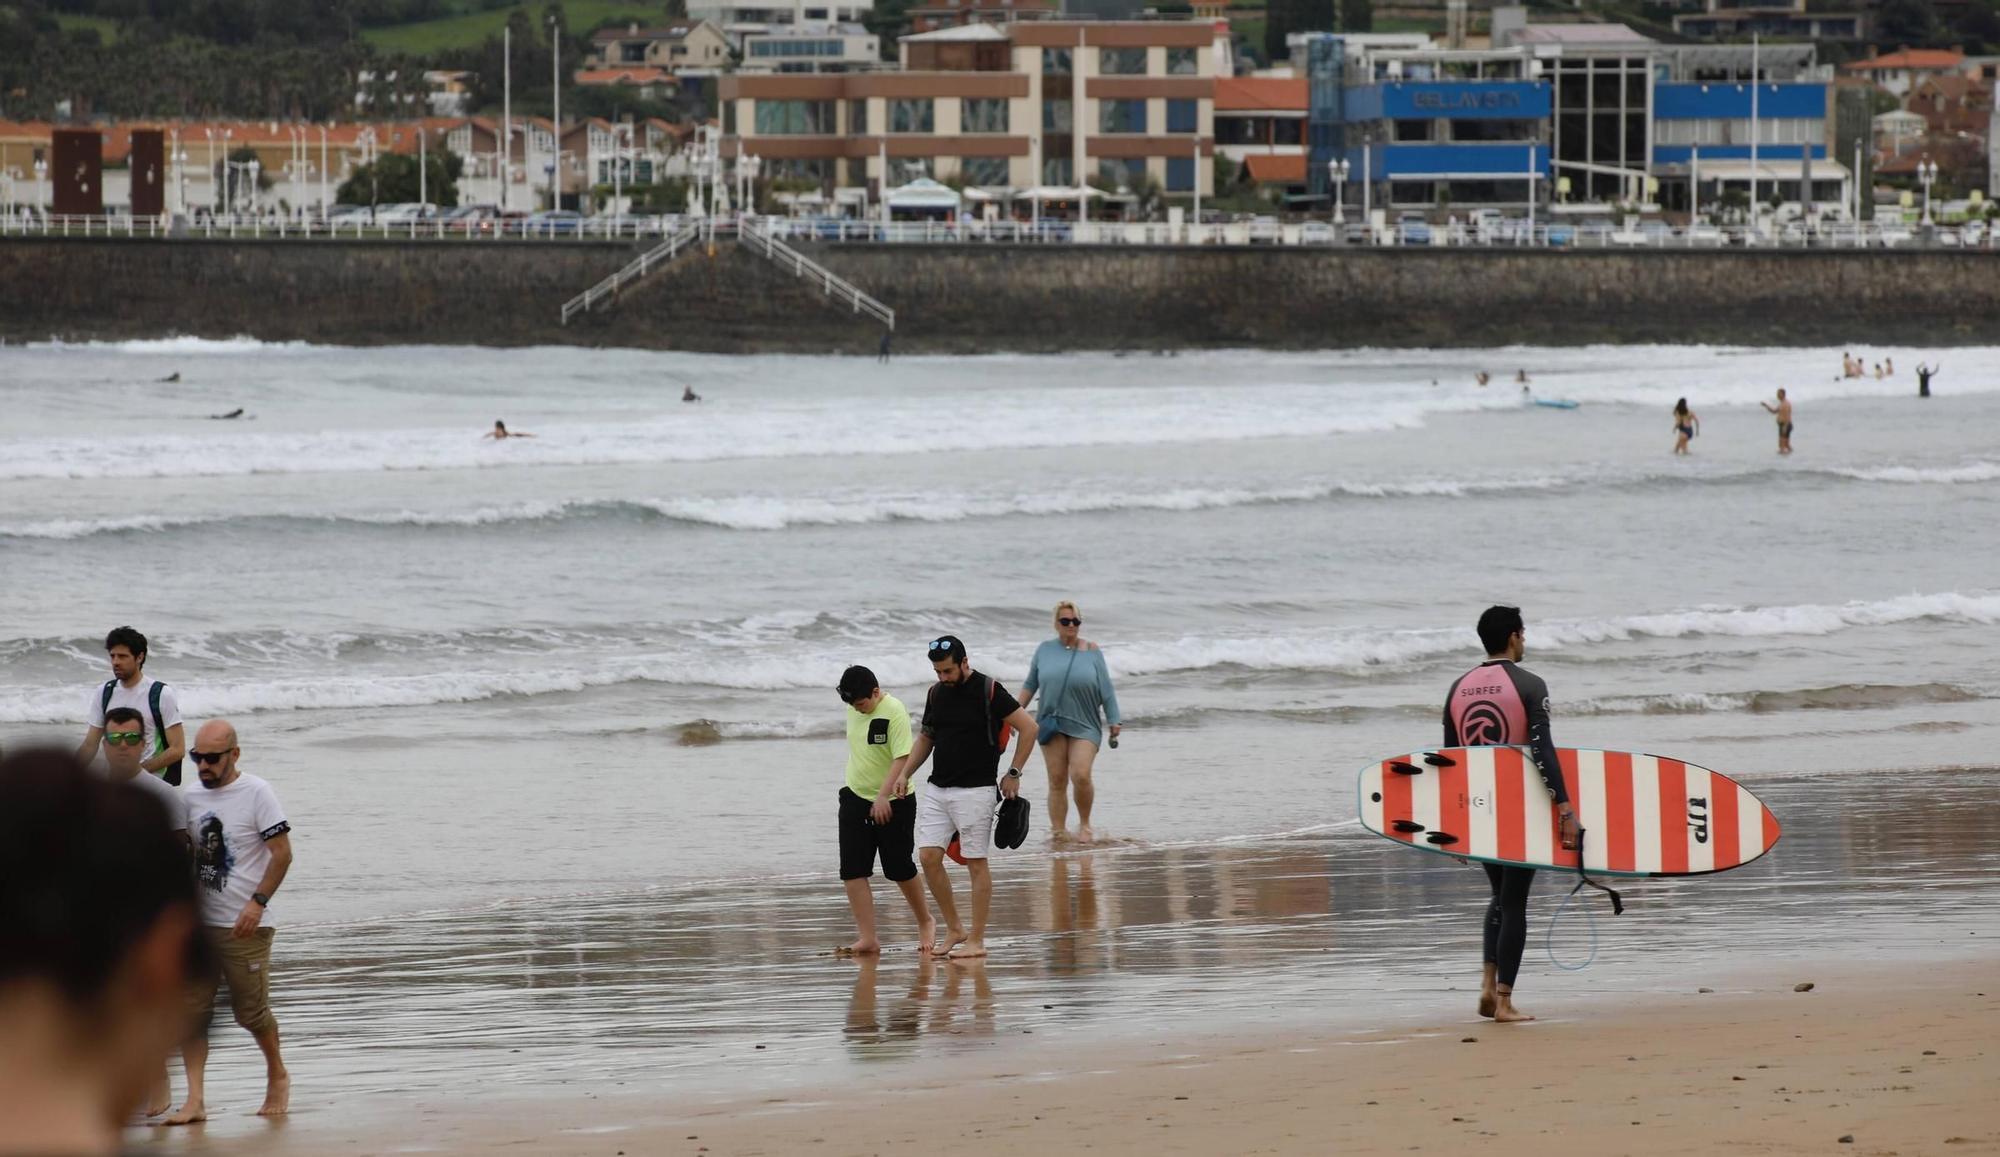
[(970, 299)]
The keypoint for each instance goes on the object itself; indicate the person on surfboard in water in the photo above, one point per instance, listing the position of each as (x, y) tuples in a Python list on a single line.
[(1497, 704)]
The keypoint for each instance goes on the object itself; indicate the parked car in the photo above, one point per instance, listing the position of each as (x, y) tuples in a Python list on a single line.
[(1703, 234), (1265, 231), (1356, 233), (404, 213), (1316, 233), (555, 222), (1561, 234), (1412, 229), (1890, 235)]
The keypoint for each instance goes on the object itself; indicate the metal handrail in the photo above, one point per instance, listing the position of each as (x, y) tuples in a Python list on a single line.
[(633, 271), (781, 254)]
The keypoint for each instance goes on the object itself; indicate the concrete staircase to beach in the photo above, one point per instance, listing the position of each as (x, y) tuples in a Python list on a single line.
[(606, 291)]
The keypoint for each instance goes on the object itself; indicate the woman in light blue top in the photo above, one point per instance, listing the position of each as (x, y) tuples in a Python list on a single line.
[(1075, 686)]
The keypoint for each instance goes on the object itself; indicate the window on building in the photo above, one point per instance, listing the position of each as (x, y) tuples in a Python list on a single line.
[(1122, 172), (903, 170), (729, 117), (857, 173), (629, 53), (643, 172), (857, 116), (1412, 130), (1055, 62), (796, 118), (1180, 174), (815, 169), (983, 170), (1058, 171), (1057, 116), (912, 115), (1121, 61), (1121, 116), (1183, 61), (979, 115), (1183, 116)]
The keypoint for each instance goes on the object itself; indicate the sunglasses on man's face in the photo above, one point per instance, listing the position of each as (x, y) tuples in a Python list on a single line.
[(209, 756), (124, 738), (1069, 622)]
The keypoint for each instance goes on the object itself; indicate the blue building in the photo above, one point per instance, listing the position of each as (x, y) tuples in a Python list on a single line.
[(1585, 114)]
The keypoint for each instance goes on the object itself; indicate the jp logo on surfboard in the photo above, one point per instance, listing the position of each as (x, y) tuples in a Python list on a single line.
[(1500, 792)]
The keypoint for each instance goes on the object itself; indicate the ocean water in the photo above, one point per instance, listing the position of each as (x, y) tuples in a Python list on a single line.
[(602, 659), (554, 718)]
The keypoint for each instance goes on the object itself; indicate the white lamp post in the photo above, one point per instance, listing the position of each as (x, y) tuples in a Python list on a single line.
[(42, 171), (1927, 172), (253, 167), (1336, 175)]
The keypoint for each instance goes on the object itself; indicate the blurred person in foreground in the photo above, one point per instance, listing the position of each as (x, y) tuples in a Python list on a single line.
[(98, 943)]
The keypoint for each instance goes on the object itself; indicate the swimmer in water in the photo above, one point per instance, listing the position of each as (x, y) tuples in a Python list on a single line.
[(1685, 425), (688, 394), (235, 413), (171, 378), (1482, 377), (500, 433)]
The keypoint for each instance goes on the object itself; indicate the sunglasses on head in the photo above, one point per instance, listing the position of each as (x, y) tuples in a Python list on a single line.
[(124, 738), (941, 648), (209, 756), (1069, 622)]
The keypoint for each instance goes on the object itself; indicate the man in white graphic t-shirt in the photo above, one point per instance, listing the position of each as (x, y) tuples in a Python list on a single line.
[(242, 850), (159, 710)]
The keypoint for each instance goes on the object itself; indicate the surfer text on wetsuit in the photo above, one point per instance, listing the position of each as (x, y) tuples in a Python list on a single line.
[(1499, 704)]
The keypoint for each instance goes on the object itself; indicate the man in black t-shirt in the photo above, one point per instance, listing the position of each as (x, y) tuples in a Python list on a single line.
[(966, 717)]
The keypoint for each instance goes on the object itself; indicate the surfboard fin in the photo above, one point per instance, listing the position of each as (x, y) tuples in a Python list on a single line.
[(1401, 768), (1441, 838), (1408, 826), (1438, 759)]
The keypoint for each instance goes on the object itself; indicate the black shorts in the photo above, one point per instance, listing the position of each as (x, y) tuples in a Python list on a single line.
[(861, 838)]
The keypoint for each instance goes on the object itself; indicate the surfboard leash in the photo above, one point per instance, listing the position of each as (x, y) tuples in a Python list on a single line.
[(1583, 877)]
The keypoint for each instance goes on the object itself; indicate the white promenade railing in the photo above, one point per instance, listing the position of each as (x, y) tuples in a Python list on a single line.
[(768, 233), (637, 268), (752, 233)]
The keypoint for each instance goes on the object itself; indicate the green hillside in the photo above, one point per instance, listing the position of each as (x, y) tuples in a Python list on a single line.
[(471, 26)]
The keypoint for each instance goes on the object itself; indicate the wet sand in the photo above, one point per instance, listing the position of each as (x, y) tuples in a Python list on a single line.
[(552, 1026), (1891, 1060)]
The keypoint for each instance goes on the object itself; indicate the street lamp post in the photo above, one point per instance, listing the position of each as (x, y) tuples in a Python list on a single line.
[(1927, 172), (1336, 174), (253, 168), (41, 172)]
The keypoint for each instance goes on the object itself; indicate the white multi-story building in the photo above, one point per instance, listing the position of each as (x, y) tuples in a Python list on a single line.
[(810, 48)]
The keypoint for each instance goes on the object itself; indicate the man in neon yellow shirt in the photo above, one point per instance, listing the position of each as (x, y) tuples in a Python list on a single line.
[(878, 813)]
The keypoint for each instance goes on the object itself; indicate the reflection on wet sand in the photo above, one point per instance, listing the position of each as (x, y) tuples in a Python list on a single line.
[(731, 984)]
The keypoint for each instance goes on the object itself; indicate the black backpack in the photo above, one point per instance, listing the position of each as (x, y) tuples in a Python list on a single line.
[(171, 773)]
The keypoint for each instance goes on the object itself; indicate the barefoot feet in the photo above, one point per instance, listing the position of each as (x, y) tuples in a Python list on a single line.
[(861, 947), (1505, 1012), (945, 944), (1084, 835), (970, 950), (187, 1114), (926, 936), (277, 1097)]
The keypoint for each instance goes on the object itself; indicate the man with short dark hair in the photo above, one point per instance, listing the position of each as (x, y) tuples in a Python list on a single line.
[(242, 851), (124, 755), (98, 941), (966, 718), (159, 709), (878, 811), (1497, 704)]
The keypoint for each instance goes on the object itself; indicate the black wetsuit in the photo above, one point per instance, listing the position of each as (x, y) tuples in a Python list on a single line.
[(1497, 704)]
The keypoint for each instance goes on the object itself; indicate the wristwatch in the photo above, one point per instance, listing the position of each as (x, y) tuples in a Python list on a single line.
[(1013, 773), (263, 899)]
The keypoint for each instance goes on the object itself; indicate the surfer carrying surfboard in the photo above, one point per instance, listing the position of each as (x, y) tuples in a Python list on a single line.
[(1498, 704)]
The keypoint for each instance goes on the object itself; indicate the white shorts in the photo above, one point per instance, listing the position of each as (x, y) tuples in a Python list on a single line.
[(965, 810)]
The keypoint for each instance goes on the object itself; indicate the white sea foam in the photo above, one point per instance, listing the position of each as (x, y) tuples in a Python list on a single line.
[(772, 512), (770, 657), (153, 347), (1920, 475)]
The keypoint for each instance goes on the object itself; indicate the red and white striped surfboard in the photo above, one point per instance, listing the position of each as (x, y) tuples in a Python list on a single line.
[(1643, 815)]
